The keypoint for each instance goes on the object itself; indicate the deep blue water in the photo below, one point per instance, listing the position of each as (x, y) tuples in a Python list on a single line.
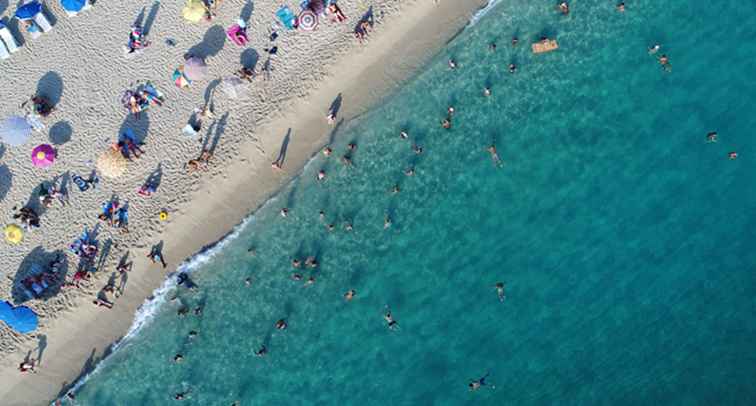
[(625, 240)]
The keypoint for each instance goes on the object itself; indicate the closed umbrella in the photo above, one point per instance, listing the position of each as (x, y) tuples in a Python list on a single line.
[(13, 234), (195, 68), (29, 10), (111, 163), (43, 155), (73, 6), (15, 130), (194, 11)]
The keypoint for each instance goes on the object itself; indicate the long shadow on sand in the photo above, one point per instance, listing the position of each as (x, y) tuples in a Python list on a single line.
[(211, 44), (6, 181)]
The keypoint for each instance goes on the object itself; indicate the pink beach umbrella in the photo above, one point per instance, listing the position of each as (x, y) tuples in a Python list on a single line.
[(195, 68), (43, 155)]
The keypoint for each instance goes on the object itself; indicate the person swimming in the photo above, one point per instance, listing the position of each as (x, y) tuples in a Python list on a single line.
[(417, 149), (409, 171), (386, 222), (492, 47), (311, 262), (310, 281), (494, 155), (284, 212), (296, 263), (512, 68), (403, 135), (452, 64), (281, 324), (327, 151), (486, 91), (348, 226), (733, 155), (478, 383), (261, 352), (500, 290), (514, 41), (711, 137), (321, 175), (621, 7), (296, 277), (192, 334), (654, 49), (349, 295), (564, 8), (178, 358), (664, 62), (395, 189), (392, 324), (351, 146), (248, 282), (445, 123)]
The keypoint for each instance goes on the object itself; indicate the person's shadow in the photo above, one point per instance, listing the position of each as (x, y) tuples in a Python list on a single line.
[(284, 147), (41, 346), (335, 106)]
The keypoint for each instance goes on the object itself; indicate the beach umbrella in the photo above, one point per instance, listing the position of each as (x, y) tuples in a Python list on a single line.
[(13, 233), (29, 10), (194, 10), (43, 155), (15, 130), (234, 87), (73, 5), (308, 20), (111, 163), (195, 68), (21, 318)]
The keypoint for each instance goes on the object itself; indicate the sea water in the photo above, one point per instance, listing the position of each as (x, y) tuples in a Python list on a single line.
[(626, 242)]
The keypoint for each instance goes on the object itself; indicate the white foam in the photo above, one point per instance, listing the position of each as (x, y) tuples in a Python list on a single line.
[(482, 12)]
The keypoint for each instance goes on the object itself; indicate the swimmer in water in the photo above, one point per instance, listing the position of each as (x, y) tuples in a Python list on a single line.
[(327, 151), (417, 149), (348, 226), (478, 383), (198, 311), (450, 111), (281, 324), (395, 189), (452, 64), (514, 41), (512, 68), (494, 156), (321, 175), (733, 155), (261, 352), (346, 160), (410, 171), (284, 212), (310, 281), (252, 251), (386, 222), (621, 7), (486, 91), (445, 123), (330, 227), (322, 215), (500, 290), (178, 358), (349, 295), (664, 62), (351, 146), (403, 135), (564, 8), (392, 324), (492, 47), (311, 262), (711, 137), (183, 311), (296, 277), (654, 49), (248, 282), (180, 395), (192, 334), (296, 263)]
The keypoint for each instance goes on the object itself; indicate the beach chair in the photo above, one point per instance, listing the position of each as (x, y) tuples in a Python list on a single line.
[(3, 51), (42, 21), (7, 37)]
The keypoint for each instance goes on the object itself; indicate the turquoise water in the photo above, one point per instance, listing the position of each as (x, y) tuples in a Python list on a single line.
[(624, 239)]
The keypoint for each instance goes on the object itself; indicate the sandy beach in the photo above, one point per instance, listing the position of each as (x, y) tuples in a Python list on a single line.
[(81, 65)]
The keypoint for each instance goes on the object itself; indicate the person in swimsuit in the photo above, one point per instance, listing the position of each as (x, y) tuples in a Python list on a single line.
[(494, 155), (392, 324), (261, 352), (284, 212), (478, 383), (500, 291), (711, 137), (349, 295), (564, 8), (281, 324), (178, 358)]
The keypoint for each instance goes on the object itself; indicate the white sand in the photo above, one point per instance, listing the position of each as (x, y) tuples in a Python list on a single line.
[(85, 54)]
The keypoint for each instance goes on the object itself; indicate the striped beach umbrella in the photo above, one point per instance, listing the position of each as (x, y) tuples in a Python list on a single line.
[(308, 20)]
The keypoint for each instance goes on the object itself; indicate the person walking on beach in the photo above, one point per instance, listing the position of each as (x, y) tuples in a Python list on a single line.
[(156, 255)]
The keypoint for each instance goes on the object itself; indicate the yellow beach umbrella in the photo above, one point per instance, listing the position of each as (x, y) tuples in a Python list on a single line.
[(111, 163), (13, 234), (194, 11)]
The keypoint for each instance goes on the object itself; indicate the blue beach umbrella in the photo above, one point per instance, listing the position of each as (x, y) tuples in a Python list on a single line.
[(15, 130), (73, 5), (21, 318), (28, 10)]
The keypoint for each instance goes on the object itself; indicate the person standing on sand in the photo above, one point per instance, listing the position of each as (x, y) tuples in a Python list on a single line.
[(156, 255)]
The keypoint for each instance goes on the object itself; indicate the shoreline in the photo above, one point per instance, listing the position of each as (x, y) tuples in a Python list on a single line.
[(78, 339)]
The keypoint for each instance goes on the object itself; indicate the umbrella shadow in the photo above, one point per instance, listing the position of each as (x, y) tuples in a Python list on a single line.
[(3, 5), (37, 262), (60, 133), (6, 181), (151, 17), (249, 58), (140, 126), (50, 86), (211, 44), (247, 10)]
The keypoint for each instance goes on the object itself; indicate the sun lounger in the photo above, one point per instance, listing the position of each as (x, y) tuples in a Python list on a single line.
[(545, 45), (7, 37), (42, 21), (3, 51)]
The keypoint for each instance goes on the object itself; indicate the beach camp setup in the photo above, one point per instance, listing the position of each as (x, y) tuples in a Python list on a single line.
[(545, 45), (21, 318), (74, 7), (33, 18)]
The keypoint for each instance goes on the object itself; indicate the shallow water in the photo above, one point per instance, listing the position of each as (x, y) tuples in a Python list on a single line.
[(624, 239)]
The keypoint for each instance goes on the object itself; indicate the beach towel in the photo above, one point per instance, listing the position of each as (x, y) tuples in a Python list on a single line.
[(287, 17), (42, 21), (8, 39)]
